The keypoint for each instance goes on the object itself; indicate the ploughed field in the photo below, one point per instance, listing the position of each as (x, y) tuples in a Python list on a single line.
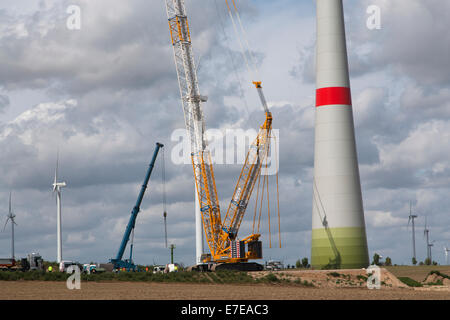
[(264, 285), (181, 291)]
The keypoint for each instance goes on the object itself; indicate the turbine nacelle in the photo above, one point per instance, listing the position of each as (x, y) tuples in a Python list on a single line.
[(58, 185)]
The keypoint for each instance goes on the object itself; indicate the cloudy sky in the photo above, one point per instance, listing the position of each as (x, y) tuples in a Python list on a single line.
[(105, 94)]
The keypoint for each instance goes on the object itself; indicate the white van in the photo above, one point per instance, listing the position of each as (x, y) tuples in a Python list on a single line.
[(63, 265)]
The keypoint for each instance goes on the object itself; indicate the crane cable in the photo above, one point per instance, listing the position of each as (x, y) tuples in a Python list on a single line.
[(278, 193), (227, 40), (252, 60), (163, 178), (243, 41), (268, 204), (244, 55), (250, 52)]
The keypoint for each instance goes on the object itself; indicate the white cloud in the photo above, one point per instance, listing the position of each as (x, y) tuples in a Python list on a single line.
[(383, 219)]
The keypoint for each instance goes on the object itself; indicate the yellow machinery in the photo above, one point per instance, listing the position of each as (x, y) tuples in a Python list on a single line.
[(227, 252)]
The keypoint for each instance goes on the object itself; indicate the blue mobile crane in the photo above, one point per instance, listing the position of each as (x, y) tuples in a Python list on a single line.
[(128, 264)]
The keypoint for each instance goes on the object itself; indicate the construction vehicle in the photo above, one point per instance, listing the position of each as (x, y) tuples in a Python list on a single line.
[(127, 264), (7, 264), (32, 262), (227, 251), (92, 268), (14, 265), (274, 265), (158, 269), (35, 261)]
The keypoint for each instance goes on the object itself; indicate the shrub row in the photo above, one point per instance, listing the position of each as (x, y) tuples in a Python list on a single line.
[(188, 277), (192, 277)]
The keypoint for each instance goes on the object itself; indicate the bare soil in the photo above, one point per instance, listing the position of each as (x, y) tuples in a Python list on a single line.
[(34, 290), (291, 285)]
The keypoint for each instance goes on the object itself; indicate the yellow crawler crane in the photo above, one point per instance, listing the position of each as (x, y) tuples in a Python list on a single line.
[(221, 237), (248, 177)]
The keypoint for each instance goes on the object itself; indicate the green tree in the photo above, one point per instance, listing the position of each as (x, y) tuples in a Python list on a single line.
[(376, 259), (414, 261), (428, 261), (305, 262), (298, 264), (388, 261)]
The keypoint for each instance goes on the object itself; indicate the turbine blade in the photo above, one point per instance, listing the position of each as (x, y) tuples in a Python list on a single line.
[(56, 168), (4, 227)]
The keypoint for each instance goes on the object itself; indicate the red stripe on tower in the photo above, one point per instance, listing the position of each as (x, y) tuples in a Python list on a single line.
[(333, 95)]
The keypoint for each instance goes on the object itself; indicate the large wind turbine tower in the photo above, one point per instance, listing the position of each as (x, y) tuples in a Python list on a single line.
[(338, 226), (57, 188)]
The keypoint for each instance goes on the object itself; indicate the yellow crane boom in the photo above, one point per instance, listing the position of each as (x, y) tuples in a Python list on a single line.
[(220, 236), (194, 120)]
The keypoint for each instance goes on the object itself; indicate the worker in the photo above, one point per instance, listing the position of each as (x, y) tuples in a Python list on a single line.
[(50, 268)]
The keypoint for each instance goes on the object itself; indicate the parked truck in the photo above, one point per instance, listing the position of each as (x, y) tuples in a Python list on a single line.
[(34, 261), (7, 263), (92, 268)]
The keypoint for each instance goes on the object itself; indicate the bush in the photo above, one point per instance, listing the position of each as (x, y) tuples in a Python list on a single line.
[(334, 274), (376, 259), (270, 278), (224, 276), (410, 282), (388, 261), (361, 277), (305, 263), (439, 282), (439, 274)]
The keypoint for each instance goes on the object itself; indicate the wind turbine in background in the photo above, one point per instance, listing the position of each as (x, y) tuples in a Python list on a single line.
[(11, 217), (426, 233), (57, 188), (446, 250), (411, 219)]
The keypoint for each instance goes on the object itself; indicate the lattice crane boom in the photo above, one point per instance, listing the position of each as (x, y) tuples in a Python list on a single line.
[(250, 172), (221, 236), (194, 121)]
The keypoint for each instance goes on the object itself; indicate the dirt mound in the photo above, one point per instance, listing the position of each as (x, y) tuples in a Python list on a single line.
[(349, 278), (437, 279)]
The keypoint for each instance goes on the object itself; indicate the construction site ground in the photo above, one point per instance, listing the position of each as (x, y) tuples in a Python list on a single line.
[(288, 285)]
